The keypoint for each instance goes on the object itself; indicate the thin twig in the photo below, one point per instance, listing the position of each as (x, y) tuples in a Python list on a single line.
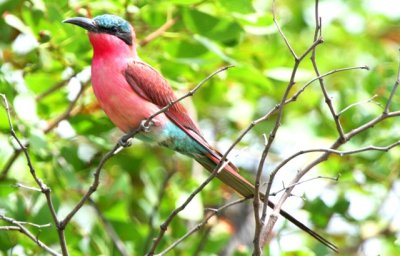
[(304, 181), (281, 32), (336, 152), (200, 225), (19, 185), (328, 100), (356, 104), (167, 25), (274, 110), (393, 91), (26, 232), (297, 94)]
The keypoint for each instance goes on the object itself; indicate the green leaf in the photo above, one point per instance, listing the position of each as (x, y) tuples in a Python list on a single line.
[(239, 6), (118, 212), (17, 23), (213, 47), (38, 142), (25, 107), (186, 49), (215, 28), (185, 2)]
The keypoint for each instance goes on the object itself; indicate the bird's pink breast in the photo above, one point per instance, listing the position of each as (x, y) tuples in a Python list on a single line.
[(123, 106)]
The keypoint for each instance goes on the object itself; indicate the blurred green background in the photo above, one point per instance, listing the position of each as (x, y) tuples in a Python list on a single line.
[(360, 213)]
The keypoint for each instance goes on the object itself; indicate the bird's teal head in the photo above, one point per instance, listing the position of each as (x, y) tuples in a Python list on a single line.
[(106, 23)]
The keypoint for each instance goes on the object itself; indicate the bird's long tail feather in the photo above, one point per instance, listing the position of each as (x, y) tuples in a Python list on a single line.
[(231, 177)]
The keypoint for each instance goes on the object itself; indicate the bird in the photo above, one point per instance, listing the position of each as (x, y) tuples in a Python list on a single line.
[(130, 91)]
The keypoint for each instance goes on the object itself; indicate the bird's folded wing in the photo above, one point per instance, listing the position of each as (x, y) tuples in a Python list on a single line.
[(150, 85)]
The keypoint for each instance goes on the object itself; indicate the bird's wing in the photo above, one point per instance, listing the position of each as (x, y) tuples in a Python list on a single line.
[(150, 85)]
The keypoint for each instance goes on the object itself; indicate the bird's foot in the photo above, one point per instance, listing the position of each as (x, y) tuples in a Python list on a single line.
[(146, 125), (125, 141)]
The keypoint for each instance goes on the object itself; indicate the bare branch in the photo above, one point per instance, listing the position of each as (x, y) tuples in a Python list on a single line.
[(19, 185), (277, 106), (336, 152), (304, 181), (10, 228), (332, 150), (281, 32), (328, 99), (18, 226), (340, 141), (297, 94), (393, 91), (34, 224)]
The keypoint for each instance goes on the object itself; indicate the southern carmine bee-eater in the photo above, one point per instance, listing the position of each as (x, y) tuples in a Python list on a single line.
[(130, 91)]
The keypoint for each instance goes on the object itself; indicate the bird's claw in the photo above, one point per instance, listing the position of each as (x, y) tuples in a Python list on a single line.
[(146, 125), (125, 141)]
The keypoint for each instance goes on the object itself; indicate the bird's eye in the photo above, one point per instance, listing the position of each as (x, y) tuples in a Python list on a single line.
[(114, 29)]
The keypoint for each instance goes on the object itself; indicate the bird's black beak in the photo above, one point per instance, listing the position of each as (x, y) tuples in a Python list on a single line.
[(83, 22)]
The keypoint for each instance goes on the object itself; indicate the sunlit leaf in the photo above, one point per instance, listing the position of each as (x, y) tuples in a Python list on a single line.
[(25, 107), (17, 23), (194, 210), (240, 6)]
